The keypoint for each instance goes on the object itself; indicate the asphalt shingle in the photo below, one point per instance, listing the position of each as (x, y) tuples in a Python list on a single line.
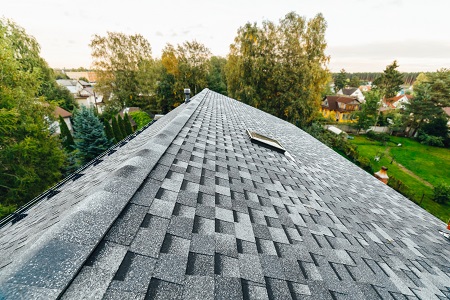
[(192, 209)]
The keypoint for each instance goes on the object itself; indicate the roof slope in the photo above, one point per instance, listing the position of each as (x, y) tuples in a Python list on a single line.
[(197, 211)]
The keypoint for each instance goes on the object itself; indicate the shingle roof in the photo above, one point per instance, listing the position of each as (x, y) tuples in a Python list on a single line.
[(192, 209), (333, 102), (61, 112), (349, 91)]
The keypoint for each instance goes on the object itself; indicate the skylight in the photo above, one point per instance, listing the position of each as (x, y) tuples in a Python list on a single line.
[(265, 141)]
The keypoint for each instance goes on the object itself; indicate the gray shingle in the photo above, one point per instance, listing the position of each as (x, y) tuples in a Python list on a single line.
[(195, 210)]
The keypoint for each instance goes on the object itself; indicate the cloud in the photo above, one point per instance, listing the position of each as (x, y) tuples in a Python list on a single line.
[(159, 33), (393, 50)]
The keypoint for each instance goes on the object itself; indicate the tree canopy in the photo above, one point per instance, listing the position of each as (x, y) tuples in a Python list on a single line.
[(26, 143), (389, 81), (121, 61), (280, 68)]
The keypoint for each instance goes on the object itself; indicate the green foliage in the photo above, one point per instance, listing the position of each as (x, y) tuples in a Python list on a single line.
[(116, 130), (126, 121), (186, 66), (368, 113), (441, 193), (437, 127), (90, 139), (430, 140), (65, 136), (340, 81), (121, 62), (380, 137), (354, 81), (216, 77), (26, 143), (280, 68), (431, 94), (121, 124), (108, 130), (389, 82), (141, 118), (426, 162), (83, 79)]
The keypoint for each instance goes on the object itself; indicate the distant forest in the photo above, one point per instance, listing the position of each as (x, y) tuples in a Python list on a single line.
[(409, 78)]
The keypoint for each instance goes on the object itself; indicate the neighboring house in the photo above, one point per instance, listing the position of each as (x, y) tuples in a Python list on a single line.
[(340, 108), (397, 102), (65, 115), (193, 208), (365, 88), (84, 93), (352, 92)]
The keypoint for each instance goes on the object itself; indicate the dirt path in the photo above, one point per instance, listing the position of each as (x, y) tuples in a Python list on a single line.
[(413, 175), (403, 168)]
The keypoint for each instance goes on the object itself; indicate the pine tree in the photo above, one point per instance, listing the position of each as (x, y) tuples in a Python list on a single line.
[(90, 139), (116, 130), (108, 130), (121, 126), (66, 136), (127, 123)]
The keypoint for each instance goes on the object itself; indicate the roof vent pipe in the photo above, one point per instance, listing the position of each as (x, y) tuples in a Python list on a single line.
[(187, 93)]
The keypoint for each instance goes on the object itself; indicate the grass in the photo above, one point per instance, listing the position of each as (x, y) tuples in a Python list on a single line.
[(431, 164)]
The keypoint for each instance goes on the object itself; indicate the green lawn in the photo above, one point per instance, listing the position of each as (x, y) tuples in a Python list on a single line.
[(432, 164)]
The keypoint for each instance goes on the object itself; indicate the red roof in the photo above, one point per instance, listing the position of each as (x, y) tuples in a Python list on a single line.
[(62, 112)]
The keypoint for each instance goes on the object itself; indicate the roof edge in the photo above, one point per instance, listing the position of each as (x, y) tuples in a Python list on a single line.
[(68, 244)]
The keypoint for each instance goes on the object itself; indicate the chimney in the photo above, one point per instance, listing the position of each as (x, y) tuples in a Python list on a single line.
[(187, 93), (382, 175)]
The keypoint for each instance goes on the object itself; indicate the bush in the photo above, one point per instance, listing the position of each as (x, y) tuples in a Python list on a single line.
[(441, 193), (380, 137), (364, 163), (141, 118), (431, 140)]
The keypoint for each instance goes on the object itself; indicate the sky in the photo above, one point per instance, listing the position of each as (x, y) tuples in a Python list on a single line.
[(362, 35)]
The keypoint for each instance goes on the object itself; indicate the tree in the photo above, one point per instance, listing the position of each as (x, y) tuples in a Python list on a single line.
[(193, 64), (66, 136), (431, 94), (90, 139), (280, 69), (26, 143), (127, 124), (108, 130), (120, 61), (116, 130), (368, 114), (354, 81), (341, 81), (389, 82), (121, 124), (216, 77)]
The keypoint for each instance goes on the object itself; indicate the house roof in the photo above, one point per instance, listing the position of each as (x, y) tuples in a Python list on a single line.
[(334, 100), (62, 112), (349, 91), (192, 209)]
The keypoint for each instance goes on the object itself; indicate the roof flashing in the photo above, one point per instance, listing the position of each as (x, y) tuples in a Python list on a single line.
[(265, 141)]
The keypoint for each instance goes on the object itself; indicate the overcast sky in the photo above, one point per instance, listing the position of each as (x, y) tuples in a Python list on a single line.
[(362, 35)]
